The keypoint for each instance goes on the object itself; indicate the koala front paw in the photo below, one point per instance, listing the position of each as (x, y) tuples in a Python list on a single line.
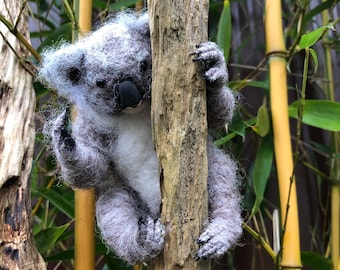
[(151, 235), (216, 239), (213, 60), (61, 139)]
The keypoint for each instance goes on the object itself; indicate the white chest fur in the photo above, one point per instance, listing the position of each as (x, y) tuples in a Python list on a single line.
[(135, 157)]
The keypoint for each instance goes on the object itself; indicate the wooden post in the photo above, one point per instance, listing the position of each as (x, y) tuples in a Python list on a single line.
[(179, 126), (17, 104)]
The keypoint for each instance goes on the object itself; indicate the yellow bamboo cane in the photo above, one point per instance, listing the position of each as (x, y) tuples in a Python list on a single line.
[(84, 199), (335, 144), (290, 256)]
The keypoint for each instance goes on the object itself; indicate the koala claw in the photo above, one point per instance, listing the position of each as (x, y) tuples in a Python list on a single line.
[(214, 243), (152, 235), (207, 51), (213, 59), (60, 134)]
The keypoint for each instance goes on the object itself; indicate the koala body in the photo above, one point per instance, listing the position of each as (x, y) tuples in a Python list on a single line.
[(107, 76)]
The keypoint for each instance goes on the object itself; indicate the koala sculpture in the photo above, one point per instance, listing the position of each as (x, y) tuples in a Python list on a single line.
[(107, 76)]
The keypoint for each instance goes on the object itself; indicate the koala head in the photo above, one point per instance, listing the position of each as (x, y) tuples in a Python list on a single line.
[(107, 71)]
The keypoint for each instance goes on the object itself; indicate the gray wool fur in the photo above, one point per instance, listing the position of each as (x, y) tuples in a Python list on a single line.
[(107, 76)]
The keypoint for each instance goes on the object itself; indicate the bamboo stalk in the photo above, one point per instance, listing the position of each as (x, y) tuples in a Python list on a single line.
[(290, 250), (84, 199), (335, 164)]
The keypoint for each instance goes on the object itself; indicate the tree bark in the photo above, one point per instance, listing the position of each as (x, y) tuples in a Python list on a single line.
[(179, 126), (17, 103)]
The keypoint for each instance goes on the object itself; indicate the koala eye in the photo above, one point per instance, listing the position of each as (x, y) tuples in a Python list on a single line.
[(101, 83), (143, 65), (74, 74)]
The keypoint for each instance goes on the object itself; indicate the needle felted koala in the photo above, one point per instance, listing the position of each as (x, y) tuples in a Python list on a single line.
[(107, 76)]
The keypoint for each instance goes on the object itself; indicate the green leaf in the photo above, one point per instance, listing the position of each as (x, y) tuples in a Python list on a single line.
[(322, 114), (62, 33), (46, 239), (317, 10), (262, 125), (262, 168), (238, 126), (225, 139), (224, 30), (58, 200), (315, 261), (309, 39), (69, 254), (61, 256), (315, 59), (122, 4), (242, 83), (40, 90)]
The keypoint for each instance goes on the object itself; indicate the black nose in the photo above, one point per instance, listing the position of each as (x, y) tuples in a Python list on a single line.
[(129, 95)]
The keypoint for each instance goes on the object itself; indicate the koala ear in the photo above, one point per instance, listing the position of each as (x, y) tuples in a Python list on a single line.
[(135, 22), (143, 21), (61, 68)]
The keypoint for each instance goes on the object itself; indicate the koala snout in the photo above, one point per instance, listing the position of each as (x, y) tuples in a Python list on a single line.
[(128, 95)]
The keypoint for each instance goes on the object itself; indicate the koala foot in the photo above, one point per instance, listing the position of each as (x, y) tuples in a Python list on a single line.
[(134, 237), (151, 236), (216, 239), (60, 136), (213, 59)]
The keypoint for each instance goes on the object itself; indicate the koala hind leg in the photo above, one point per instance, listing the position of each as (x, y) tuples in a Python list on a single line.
[(127, 227)]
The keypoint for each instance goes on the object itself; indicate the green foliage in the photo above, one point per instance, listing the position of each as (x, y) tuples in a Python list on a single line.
[(262, 125), (250, 136), (322, 114), (262, 169), (224, 30), (46, 239), (315, 261)]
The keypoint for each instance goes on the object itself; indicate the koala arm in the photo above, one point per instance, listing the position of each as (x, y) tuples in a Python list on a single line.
[(224, 226), (81, 166), (225, 222), (220, 99)]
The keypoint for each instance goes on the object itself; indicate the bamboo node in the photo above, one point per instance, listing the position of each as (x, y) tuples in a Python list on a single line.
[(281, 54)]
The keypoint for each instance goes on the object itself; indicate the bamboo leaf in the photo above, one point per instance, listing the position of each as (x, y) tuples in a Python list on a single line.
[(238, 127), (122, 4), (58, 200), (62, 33), (224, 139), (46, 239), (315, 59), (262, 125), (309, 39), (224, 30), (69, 253), (61, 256), (317, 10), (316, 261), (262, 168), (322, 114)]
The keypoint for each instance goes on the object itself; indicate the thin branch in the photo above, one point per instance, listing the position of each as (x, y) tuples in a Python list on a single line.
[(261, 240), (20, 37), (26, 64)]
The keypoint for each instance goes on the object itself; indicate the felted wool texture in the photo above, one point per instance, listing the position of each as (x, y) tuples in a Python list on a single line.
[(109, 147)]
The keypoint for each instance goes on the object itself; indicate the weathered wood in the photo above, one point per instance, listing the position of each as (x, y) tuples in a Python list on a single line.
[(180, 128), (17, 103)]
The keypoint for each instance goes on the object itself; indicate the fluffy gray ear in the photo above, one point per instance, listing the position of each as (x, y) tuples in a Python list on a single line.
[(143, 22), (135, 21), (61, 68)]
